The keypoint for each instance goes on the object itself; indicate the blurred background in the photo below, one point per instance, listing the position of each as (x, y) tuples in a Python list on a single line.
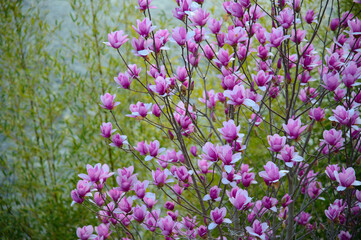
[(53, 69)]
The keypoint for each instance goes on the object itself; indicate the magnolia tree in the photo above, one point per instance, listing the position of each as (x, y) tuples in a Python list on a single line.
[(270, 150)]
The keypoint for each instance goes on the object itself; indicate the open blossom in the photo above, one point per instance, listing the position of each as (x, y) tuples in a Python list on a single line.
[(213, 194), (199, 17), (240, 200), (144, 4), (116, 39), (160, 177), (123, 80), (293, 128), (238, 96), (217, 216), (139, 213), (214, 25), (262, 79), (345, 117), (108, 101), (106, 130), (210, 152), (346, 178), (223, 57), (180, 35), (258, 229), (276, 142), (126, 179), (271, 174), (144, 27), (161, 86), (285, 18), (230, 131), (303, 218), (228, 158), (166, 224), (153, 150), (211, 99), (330, 171), (298, 36), (118, 140), (270, 203), (98, 173), (139, 110), (310, 17), (235, 36), (85, 232), (276, 37), (82, 190), (204, 166), (103, 230), (333, 138), (332, 81), (289, 156), (343, 234), (317, 114)]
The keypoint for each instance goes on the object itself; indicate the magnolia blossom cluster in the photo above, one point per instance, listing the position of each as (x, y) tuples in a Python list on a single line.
[(261, 118)]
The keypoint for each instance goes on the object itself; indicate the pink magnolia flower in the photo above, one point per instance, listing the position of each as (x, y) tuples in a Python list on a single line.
[(228, 158), (82, 190), (183, 174), (298, 36), (217, 216), (214, 25), (116, 39), (270, 203), (332, 81), (343, 234), (230, 131), (125, 204), (162, 86), (258, 229), (202, 231), (235, 36), (289, 156), (314, 189), (204, 166), (355, 27), (126, 179), (303, 218), (285, 18), (351, 73), (308, 94), (241, 200), (317, 114), (248, 178), (213, 194), (103, 230), (119, 140), (156, 111), (310, 16), (199, 17), (276, 37), (150, 200), (99, 199), (293, 128), (133, 71), (98, 173), (211, 99), (223, 58), (345, 117), (160, 177), (262, 79), (144, 5), (140, 188), (144, 27), (166, 224), (123, 80), (276, 142), (238, 96), (335, 22), (139, 213), (140, 47), (346, 178), (180, 35), (85, 232), (271, 174), (330, 169), (153, 150), (139, 110), (333, 138), (210, 152), (108, 101), (106, 129)]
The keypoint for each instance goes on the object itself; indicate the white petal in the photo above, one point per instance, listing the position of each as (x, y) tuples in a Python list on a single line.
[(212, 226), (228, 168)]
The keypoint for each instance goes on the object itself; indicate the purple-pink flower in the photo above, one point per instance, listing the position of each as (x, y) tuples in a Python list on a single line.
[(346, 178), (271, 174), (108, 101), (293, 128), (116, 39), (217, 216)]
